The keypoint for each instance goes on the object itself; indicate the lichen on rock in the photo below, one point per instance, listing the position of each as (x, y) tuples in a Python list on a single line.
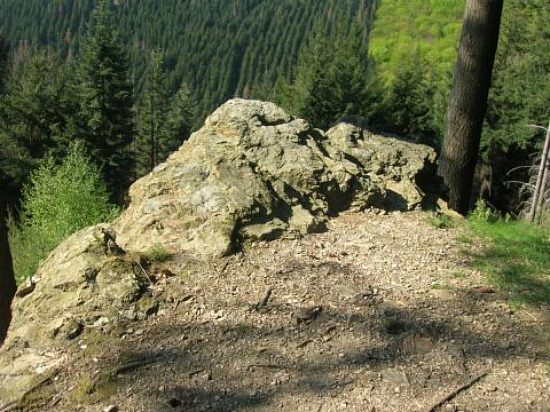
[(254, 172)]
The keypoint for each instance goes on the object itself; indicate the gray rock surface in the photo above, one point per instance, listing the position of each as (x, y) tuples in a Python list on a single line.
[(80, 285), (400, 164), (254, 172)]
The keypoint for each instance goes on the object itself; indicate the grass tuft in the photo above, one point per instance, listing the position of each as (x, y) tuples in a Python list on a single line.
[(517, 258), (441, 221), (159, 253)]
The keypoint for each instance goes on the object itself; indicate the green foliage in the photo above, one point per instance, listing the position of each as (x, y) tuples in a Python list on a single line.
[(34, 116), (159, 253), (180, 118), (441, 221), (4, 52), (163, 122), (414, 44), (404, 29), (330, 79), (105, 101), (517, 258), (152, 131), (409, 108), (483, 213), (521, 82), (58, 201), (217, 47), (257, 48)]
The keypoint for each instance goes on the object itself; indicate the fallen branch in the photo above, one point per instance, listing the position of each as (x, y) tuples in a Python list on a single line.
[(136, 261), (456, 392), (265, 366), (264, 300), (130, 366)]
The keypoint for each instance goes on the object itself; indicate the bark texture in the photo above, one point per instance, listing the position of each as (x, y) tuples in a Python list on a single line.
[(468, 102), (7, 279)]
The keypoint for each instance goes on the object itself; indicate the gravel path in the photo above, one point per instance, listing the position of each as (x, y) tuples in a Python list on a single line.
[(379, 313)]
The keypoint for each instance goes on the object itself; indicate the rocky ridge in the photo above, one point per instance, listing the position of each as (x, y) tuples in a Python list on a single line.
[(252, 173)]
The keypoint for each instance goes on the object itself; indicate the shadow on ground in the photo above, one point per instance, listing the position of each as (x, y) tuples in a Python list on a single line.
[(234, 367)]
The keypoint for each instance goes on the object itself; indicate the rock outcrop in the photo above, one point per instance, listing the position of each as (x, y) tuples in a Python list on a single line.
[(253, 172), (406, 169)]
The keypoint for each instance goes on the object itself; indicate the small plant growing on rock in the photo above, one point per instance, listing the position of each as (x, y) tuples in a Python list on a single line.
[(159, 253)]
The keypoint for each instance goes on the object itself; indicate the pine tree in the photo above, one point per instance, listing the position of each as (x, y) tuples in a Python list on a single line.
[(105, 101), (330, 78), (4, 53), (152, 117), (34, 114), (180, 119), (164, 123), (409, 104)]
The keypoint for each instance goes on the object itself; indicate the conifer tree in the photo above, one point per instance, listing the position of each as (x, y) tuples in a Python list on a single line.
[(409, 104), (105, 101), (164, 123), (152, 130), (34, 113), (4, 52), (180, 118), (330, 78)]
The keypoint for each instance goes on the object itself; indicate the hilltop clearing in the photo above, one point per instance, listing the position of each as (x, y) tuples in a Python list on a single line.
[(403, 322)]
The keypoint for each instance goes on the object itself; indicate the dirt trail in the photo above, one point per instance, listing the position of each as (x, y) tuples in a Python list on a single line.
[(380, 313)]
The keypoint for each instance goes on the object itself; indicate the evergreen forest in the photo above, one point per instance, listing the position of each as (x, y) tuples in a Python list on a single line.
[(130, 80)]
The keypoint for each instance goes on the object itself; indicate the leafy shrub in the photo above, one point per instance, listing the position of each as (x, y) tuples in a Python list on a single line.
[(483, 213), (57, 201)]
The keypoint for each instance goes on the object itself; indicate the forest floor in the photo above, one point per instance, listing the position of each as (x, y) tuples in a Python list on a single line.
[(379, 313)]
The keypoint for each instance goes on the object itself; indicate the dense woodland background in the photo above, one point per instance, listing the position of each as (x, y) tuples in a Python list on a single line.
[(132, 79)]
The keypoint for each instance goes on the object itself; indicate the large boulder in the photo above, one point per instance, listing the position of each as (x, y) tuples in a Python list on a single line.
[(87, 282), (253, 171)]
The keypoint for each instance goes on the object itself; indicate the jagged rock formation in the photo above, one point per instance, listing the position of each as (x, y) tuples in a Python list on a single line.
[(406, 169), (253, 172)]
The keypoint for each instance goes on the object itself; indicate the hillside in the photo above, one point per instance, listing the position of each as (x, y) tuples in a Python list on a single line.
[(406, 29), (404, 322), (268, 264), (219, 47)]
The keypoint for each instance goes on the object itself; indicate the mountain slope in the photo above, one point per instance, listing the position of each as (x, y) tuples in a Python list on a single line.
[(219, 47)]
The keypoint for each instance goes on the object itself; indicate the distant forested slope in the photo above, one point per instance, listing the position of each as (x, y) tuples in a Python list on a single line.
[(221, 48), (405, 29)]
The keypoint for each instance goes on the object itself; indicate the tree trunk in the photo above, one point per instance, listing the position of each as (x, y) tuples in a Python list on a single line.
[(540, 186), (468, 102), (7, 279)]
